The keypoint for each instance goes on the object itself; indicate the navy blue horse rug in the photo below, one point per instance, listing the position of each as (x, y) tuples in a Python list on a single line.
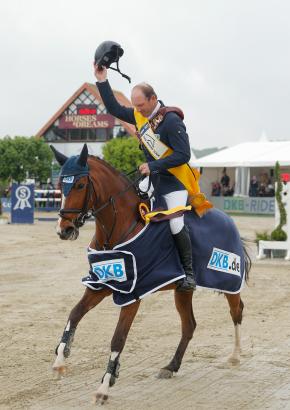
[(137, 267), (150, 260)]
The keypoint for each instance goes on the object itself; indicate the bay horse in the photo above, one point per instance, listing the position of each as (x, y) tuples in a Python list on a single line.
[(114, 201)]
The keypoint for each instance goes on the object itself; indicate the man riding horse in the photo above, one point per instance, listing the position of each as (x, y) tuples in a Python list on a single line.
[(119, 248), (163, 138)]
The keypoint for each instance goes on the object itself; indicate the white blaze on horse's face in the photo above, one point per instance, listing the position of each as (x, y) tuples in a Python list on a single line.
[(58, 228), (65, 227)]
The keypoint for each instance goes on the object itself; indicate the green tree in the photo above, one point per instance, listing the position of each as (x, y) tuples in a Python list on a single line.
[(21, 157), (123, 153)]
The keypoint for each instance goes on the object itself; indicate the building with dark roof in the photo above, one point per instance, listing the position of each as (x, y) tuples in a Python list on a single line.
[(83, 118)]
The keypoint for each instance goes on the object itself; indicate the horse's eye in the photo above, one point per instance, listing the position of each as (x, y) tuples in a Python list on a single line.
[(80, 186)]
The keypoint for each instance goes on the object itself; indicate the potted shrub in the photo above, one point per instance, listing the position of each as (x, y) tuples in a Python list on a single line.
[(263, 236), (278, 234)]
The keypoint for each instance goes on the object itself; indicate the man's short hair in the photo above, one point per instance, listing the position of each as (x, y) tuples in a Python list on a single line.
[(146, 89)]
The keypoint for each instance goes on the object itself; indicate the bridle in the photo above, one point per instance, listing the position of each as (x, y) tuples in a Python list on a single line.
[(86, 212)]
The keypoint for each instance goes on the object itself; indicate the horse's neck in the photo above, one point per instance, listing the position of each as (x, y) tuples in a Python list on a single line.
[(122, 214)]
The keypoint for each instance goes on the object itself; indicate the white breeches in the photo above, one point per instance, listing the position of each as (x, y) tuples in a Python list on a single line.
[(173, 199), (144, 185)]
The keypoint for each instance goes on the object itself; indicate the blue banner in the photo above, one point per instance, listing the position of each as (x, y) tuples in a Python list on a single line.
[(22, 204), (6, 204)]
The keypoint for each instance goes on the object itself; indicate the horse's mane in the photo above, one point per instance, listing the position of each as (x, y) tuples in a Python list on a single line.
[(110, 167)]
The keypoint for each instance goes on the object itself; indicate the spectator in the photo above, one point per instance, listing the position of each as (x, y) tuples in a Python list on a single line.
[(228, 191), (57, 197), (265, 179), (216, 189), (50, 195), (262, 189), (254, 186), (7, 192), (269, 191), (37, 204), (225, 180)]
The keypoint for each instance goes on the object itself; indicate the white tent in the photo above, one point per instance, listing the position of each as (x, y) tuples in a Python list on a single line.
[(242, 157), (249, 154)]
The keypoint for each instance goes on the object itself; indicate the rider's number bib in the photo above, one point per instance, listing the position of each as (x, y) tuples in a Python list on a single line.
[(156, 148)]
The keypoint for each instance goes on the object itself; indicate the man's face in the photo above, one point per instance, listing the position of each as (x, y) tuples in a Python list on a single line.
[(142, 104)]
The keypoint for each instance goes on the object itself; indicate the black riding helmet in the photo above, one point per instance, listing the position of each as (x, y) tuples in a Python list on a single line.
[(107, 53)]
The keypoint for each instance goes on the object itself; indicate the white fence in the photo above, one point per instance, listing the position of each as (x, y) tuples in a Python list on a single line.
[(47, 199)]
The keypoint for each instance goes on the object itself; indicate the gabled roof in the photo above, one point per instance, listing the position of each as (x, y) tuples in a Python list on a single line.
[(91, 88)]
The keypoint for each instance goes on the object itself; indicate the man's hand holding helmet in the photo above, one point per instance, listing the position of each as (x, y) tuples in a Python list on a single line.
[(100, 73), (107, 53)]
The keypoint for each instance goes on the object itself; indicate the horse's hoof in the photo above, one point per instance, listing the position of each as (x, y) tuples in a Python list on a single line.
[(234, 360), (165, 374), (60, 370), (100, 398)]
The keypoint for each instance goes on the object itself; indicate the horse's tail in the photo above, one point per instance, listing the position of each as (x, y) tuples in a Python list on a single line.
[(248, 260)]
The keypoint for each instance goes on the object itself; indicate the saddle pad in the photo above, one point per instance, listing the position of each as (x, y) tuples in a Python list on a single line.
[(157, 264)]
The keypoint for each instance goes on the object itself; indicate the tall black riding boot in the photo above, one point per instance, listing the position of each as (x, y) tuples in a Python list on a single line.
[(183, 244)]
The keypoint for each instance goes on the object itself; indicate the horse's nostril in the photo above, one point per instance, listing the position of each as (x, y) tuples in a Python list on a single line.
[(69, 230), (66, 233)]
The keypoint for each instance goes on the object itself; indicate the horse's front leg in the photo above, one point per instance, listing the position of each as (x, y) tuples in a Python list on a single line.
[(125, 321), (89, 300), (236, 310), (183, 303)]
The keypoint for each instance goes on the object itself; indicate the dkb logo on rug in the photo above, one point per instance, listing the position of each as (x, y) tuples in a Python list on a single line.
[(224, 261), (110, 270)]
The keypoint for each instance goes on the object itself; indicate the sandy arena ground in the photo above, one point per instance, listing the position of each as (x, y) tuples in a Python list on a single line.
[(40, 283)]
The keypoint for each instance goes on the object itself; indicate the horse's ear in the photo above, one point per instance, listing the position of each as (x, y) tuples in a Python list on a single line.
[(83, 156), (58, 156)]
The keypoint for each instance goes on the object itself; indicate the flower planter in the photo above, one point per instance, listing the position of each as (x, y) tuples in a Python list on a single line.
[(277, 253), (267, 252), (279, 249)]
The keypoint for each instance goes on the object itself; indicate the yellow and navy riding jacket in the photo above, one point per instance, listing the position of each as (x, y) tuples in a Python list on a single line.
[(174, 173)]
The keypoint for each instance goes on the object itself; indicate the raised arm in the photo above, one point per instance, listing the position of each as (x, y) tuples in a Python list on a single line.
[(117, 110)]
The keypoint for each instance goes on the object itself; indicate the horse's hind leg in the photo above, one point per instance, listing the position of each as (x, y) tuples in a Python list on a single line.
[(183, 303), (89, 300), (125, 321), (236, 310)]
